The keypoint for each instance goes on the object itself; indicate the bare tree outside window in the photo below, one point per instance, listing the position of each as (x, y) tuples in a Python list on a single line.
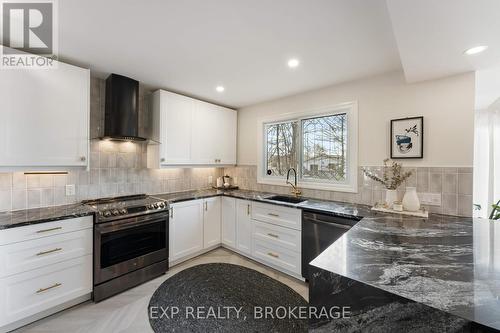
[(281, 148), (324, 148)]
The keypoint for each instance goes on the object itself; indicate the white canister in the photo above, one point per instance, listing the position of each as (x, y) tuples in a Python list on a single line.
[(410, 200), (219, 182), (390, 197)]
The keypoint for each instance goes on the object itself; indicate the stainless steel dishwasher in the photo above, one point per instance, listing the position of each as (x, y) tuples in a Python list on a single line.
[(319, 231)]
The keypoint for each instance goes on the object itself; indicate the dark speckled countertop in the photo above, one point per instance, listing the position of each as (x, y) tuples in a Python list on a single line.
[(25, 217)]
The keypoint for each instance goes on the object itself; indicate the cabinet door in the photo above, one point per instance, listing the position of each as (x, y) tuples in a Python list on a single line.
[(226, 138), (243, 226), (186, 229), (176, 125), (229, 221), (206, 131), (211, 222), (44, 117)]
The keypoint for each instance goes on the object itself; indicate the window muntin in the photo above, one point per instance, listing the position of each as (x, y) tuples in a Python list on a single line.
[(324, 148)]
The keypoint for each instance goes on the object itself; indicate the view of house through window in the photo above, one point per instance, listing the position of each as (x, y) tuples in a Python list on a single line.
[(324, 148), (315, 147)]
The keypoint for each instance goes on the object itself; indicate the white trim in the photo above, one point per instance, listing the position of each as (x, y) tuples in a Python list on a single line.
[(351, 109)]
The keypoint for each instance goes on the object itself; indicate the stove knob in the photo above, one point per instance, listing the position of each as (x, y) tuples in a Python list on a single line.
[(161, 205), (107, 213), (150, 206), (116, 212), (123, 211), (155, 205)]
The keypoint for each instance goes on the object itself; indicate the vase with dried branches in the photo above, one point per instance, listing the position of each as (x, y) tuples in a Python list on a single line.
[(392, 177)]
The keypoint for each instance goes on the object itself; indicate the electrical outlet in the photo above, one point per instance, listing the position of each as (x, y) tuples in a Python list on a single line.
[(210, 180), (431, 199), (70, 190), (235, 180)]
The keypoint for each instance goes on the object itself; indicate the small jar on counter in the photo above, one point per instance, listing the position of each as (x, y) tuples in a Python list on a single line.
[(397, 206)]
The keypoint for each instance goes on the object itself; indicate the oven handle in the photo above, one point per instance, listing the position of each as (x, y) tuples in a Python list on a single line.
[(105, 229)]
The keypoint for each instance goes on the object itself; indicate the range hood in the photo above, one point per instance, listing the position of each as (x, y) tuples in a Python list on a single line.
[(121, 119)]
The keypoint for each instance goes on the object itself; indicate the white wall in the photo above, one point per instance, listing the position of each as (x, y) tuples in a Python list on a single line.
[(446, 104)]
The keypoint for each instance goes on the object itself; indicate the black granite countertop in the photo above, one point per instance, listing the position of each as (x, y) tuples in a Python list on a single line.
[(25, 217), (448, 263)]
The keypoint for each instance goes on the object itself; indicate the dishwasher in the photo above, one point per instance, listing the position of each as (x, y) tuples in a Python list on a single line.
[(319, 231)]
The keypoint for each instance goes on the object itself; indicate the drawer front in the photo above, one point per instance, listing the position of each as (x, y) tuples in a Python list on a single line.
[(24, 256), (286, 217), (40, 230), (284, 237), (277, 256), (26, 294)]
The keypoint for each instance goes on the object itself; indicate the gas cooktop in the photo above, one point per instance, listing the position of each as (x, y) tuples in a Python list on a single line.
[(125, 206)]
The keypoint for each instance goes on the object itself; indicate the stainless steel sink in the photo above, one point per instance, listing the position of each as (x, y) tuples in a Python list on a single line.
[(286, 198)]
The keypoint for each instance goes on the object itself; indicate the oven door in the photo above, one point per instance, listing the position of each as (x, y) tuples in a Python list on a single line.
[(123, 246)]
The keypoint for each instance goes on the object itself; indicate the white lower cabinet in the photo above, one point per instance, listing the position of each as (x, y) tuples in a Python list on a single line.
[(229, 222), (211, 222), (35, 291), (267, 233), (185, 229), (243, 226), (277, 237), (44, 268)]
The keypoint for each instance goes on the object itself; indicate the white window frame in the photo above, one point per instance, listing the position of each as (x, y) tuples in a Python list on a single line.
[(351, 182)]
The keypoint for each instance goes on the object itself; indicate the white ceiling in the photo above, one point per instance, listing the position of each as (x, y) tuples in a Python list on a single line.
[(191, 46), (433, 34)]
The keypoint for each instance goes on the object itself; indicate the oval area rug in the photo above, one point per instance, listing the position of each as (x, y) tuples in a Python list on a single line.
[(225, 298)]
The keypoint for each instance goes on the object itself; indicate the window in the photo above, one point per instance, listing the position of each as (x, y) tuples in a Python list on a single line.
[(324, 148), (281, 148), (320, 145)]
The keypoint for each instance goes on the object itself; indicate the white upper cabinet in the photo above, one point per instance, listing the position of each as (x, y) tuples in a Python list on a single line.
[(44, 118), (191, 132)]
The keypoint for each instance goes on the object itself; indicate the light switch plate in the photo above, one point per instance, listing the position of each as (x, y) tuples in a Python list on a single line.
[(210, 180), (235, 180), (70, 190)]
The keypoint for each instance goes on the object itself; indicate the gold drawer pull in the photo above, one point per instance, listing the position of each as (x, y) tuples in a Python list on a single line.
[(41, 290), (273, 235), (49, 251), (272, 214), (273, 255), (47, 230)]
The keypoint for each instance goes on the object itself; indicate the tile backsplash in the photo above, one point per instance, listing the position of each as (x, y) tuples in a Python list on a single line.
[(453, 184), (116, 168)]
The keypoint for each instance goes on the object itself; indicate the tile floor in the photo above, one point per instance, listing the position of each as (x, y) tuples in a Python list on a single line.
[(127, 312)]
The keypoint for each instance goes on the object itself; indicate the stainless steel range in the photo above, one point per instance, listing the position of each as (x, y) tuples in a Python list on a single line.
[(130, 242)]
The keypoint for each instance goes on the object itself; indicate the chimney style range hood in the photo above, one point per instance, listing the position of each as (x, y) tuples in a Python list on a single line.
[(121, 120)]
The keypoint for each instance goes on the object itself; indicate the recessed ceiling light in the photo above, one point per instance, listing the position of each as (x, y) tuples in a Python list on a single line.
[(292, 63), (220, 88), (476, 49)]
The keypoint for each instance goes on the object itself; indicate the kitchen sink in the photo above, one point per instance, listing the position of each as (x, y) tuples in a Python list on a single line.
[(286, 198)]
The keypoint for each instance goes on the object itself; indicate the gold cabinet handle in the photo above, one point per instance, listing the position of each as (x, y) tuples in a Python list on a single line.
[(274, 255), (206, 206), (272, 214), (248, 209), (47, 230), (273, 235), (172, 212), (49, 251), (41, 290)]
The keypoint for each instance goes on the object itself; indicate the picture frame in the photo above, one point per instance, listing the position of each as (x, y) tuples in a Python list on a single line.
[(407, 138)]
